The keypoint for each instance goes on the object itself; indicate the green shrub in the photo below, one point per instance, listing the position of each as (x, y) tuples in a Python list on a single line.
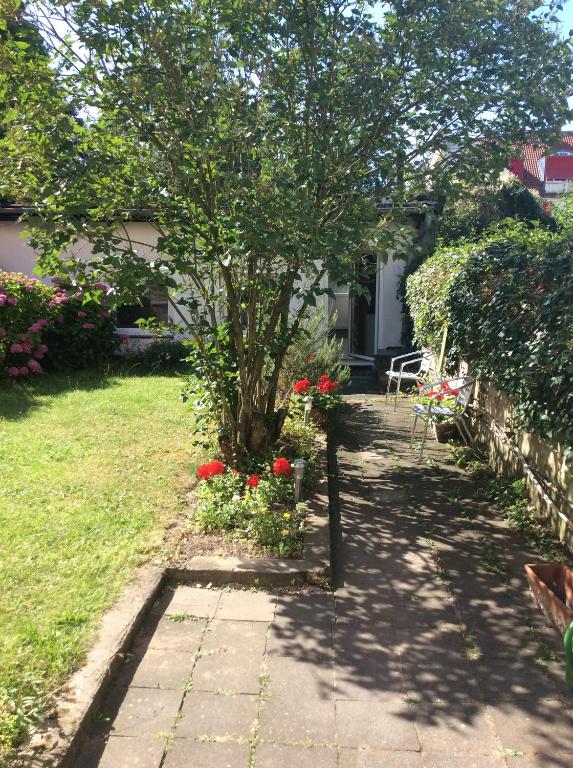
[(58, 327), (162, 355), (427, 293), (507, 303), (24, 316), (82, 333), (511, 317), (315, 352)]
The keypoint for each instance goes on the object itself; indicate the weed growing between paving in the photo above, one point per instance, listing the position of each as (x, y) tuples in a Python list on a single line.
[(510, 497)]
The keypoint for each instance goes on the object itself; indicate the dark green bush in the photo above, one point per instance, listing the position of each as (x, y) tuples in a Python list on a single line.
[(507, 302), (511, 316)]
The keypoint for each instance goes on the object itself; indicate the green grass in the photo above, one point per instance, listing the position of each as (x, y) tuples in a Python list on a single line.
[(92, 468)]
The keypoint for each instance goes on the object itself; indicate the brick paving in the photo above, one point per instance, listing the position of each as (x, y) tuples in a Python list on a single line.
[(426, 655)]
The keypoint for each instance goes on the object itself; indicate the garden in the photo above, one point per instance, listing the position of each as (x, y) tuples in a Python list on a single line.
[(99, 453), (240, 162)]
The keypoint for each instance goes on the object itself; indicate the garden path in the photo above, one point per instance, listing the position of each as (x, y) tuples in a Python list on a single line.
[(427, 655)]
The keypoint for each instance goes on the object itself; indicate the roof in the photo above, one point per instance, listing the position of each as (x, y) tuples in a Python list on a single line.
[(531, 154)]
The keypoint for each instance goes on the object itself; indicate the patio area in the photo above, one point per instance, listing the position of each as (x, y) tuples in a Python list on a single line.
[(429, 653)]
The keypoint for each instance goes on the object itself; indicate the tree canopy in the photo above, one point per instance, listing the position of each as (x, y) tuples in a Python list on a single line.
[(258, 138)]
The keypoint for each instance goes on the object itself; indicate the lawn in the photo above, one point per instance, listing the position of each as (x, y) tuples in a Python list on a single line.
[(92, 468)]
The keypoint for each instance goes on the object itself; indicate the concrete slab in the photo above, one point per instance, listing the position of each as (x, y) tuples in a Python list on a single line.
[(382, 725), (174, 634), (132, 752), (247, 606), (185, 753), (285, 756), (367, 758), (217, 716), (163, 669), (297, 720), (194, 601), (146, 712), (455, 727)]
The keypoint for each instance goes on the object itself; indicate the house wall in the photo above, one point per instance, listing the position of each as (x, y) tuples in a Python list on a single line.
[(389, 330), (17, 255)]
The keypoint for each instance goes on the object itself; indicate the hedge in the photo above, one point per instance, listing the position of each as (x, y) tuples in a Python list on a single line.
[(507, 303)]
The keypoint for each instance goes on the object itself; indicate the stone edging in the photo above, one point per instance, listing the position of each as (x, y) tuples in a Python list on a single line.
[(56, 743)]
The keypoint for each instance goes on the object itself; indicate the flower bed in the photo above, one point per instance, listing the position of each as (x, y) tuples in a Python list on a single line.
[(256, 508)]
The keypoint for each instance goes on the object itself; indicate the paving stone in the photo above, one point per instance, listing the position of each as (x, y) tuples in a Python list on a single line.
[(231, 657), (365, 668), (449, 726), (132, 752), (285, 756), (198, 602), (366, 758), (186, 753), (503, 679), (534, 726), (542, 760), (442, 760), (313, 644), (183, 636), (241, 605), (295, 719), (212, 715), (163, 669), (232, 637), (387, 724), (308, 678), (147, 712), (230, 673)]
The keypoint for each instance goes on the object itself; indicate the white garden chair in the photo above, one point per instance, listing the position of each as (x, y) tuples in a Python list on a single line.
[(453, 414), (421, 359)]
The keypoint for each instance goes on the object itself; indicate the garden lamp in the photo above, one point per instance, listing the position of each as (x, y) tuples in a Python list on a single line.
[(298, 465), (307, 409)]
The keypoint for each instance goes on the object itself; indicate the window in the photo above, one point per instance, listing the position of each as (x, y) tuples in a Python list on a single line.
[(153, 304)]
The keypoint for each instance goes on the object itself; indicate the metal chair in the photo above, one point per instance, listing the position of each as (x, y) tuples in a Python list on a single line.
[(421, 359), (464, 387)]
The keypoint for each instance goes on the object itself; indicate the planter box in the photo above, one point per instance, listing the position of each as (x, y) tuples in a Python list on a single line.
[(552, 587)]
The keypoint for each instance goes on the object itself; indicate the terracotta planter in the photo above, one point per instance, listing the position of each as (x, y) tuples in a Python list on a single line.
[(552, 587)]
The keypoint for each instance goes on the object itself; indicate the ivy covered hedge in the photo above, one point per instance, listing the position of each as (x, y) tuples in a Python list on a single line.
[(507, 301)]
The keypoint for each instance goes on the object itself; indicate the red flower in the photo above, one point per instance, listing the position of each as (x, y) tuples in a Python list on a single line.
[(301, 386), (253, 481), (209, 470), (325, 386), (324, 377), (282, 468)]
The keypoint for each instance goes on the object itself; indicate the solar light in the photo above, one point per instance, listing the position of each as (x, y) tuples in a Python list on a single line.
[(299, 466), (307, 409)]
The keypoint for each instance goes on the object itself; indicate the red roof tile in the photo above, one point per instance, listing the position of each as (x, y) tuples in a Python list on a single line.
[(532, 154)]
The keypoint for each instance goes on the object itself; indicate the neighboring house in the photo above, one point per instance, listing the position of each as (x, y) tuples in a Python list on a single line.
[(369, 327), (546, 170)]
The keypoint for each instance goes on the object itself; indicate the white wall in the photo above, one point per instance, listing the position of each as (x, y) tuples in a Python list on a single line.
[(389, 307)]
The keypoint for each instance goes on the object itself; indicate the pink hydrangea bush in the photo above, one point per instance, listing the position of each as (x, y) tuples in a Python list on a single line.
[(24, 316), (70, 326)]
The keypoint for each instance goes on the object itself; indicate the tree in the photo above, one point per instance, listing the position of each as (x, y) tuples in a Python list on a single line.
[(259, 137)]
